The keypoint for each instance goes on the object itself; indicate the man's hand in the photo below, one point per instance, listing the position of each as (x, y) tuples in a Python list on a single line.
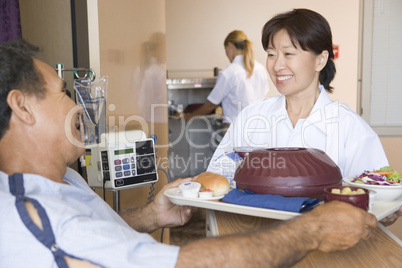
[(159, 213), (168, 214), (341, 225)]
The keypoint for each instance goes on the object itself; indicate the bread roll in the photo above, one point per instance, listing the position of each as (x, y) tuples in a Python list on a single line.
[(215, 182)]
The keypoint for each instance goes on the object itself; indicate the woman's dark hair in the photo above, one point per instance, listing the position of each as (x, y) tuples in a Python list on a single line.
[(17, 71), (308, 29)]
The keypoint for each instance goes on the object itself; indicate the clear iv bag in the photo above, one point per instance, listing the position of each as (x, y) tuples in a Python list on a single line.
[(91, 96)]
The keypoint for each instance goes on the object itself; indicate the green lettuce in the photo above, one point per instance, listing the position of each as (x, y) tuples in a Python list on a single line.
[(387, 169), (396, 176)]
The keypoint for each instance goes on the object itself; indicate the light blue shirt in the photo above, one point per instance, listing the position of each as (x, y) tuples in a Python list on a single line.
[(84, 226)]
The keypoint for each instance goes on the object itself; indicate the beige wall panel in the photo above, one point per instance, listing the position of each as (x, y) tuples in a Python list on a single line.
[(132, 55), (47, 24)]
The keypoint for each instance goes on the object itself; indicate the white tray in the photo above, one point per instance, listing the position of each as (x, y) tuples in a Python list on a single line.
[(380, 209), (222, 206)]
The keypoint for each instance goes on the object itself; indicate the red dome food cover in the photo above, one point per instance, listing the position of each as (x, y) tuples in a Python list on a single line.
[(288, 171)]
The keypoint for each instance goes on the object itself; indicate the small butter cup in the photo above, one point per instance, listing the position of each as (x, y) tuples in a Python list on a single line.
[(190, 189)]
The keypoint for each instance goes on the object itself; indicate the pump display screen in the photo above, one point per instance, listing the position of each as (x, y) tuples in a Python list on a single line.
[(145, 164), (124, 151), (144, 147)]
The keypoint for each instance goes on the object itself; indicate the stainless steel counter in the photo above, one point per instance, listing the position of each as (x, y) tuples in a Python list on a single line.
[(191, 145)]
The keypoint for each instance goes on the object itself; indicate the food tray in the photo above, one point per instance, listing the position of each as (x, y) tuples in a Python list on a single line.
[(222, 206), (381, 209)]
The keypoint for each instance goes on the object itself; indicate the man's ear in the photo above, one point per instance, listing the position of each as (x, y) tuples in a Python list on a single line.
[(19, 104), (322, 60)]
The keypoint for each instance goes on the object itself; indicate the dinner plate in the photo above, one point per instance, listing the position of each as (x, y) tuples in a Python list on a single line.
[(176, 193)]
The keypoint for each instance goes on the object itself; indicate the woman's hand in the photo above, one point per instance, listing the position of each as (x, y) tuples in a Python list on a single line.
[(387, 221)]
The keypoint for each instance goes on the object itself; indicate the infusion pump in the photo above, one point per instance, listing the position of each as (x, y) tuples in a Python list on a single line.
[(122, 160)]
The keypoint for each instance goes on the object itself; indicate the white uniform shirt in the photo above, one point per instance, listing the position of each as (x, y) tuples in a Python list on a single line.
[(83, 224), (235, 90), (331, 127)]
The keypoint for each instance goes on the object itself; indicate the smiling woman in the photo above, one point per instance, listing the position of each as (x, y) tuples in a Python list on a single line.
[(306, 31), (295, 73), (300, 64)]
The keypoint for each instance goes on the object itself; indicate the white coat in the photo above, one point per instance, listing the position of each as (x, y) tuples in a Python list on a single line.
[(235, 90), (331, 126)]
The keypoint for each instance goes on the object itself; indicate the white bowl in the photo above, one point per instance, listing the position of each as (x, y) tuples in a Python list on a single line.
[(383, 192)]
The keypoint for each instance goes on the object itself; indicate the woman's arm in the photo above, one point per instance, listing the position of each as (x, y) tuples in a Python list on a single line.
[(205, 109)]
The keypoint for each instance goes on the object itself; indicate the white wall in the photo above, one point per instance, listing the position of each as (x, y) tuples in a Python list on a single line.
[(196, 29)]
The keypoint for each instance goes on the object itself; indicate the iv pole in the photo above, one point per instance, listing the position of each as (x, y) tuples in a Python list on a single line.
[(88, 72), (91, 74)]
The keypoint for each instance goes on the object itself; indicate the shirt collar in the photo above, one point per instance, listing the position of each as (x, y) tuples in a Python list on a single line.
[(322, 101), (238, 59), (279, 106), (323, 112)]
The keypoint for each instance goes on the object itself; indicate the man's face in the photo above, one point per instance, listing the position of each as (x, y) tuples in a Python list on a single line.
[(57, 118)]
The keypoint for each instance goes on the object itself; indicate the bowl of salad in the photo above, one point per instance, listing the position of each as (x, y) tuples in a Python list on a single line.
[(386, 182)]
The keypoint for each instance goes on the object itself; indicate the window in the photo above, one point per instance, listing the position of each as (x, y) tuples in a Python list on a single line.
[(381, 66)]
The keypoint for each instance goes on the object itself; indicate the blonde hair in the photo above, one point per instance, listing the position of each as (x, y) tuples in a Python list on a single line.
[(240, 41)]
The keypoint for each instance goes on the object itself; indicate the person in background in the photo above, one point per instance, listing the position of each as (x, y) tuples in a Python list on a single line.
[(50, 216), (240, 84)]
